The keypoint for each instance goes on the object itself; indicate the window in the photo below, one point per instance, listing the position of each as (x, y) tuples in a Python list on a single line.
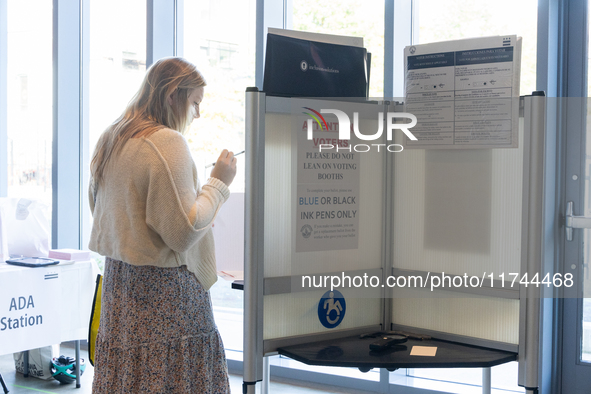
[(456, 19), (117, 59), (29, 99), (219, 39), (117, 66), (348, 18)]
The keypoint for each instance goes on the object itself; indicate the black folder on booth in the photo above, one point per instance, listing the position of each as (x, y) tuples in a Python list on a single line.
[(295, 67)]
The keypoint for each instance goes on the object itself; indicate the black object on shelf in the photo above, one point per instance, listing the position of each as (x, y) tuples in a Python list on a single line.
[(387, 341), (238, 284)]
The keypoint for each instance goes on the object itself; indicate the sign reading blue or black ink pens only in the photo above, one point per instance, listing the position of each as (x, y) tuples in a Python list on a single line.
[(331, 309)]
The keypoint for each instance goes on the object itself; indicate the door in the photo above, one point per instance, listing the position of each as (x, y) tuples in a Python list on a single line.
[(576, 319)]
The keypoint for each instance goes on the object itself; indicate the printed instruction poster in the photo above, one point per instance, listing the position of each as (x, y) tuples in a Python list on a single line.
[(327, 188), (465, 93)]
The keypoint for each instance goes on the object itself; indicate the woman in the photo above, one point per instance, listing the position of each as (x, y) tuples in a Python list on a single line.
[(152, 221)]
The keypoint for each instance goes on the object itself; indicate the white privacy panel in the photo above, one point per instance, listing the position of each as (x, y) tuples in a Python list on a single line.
[(458, 211), (281, 200), (493, 319), (278, 195), (287, 315), (293, 314)]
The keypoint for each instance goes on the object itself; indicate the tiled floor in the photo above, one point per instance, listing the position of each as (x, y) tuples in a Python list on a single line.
[(17, 384)]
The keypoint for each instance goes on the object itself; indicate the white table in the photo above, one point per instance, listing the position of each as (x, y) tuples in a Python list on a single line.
[(44, 306)]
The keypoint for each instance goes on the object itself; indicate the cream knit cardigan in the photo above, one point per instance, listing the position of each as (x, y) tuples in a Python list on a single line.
[(150, 209)]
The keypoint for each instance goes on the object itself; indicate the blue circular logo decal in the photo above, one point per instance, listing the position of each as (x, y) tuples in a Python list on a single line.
[(331, 309)]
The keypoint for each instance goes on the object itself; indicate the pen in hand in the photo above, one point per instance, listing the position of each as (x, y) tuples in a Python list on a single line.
[(213, 164)]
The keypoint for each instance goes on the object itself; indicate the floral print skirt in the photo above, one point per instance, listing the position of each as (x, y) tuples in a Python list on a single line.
[(157, 334)]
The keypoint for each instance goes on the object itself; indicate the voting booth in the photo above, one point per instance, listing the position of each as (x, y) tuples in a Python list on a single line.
[(354, 228)]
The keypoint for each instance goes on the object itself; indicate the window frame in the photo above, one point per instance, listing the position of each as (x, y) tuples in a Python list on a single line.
[(3, 97)]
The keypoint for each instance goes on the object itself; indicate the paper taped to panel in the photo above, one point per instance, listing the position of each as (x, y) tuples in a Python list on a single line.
[(296, 203)]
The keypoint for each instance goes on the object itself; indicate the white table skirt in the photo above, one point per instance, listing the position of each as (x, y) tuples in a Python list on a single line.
[(44, 306)]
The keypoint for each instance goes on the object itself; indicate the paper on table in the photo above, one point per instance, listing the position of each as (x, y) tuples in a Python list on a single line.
[(231, 275), (228, 233), (423, 351)]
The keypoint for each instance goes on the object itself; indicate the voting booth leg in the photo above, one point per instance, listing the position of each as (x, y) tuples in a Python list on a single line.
[(534, 229), (3, 385), (486, 381), (78, 364), (265, 386), (253, 234)]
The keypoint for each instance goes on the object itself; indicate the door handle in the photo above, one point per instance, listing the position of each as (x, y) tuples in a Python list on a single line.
[(574, 221)]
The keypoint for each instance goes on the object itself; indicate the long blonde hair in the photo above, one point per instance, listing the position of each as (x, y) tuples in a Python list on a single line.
[(149, 110)]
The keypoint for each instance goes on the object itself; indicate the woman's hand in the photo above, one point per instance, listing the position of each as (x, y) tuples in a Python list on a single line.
[(225, 167)]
